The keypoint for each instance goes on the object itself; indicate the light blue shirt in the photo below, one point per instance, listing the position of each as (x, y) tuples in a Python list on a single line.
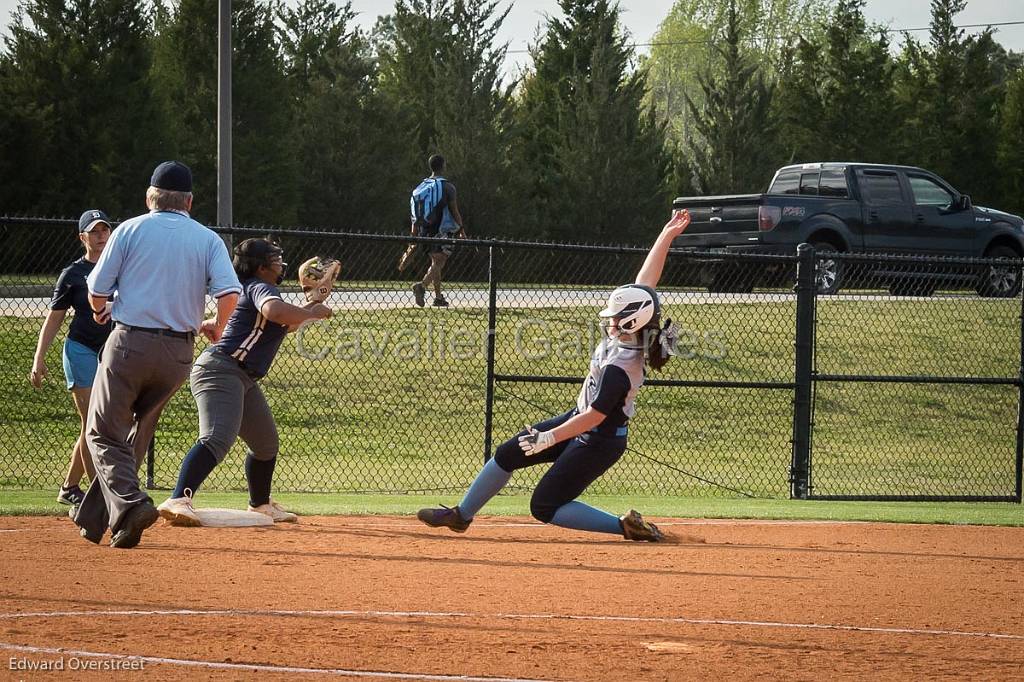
[(162, 265)]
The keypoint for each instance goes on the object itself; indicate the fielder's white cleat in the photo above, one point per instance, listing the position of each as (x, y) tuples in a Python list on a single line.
[(179, 511), (276, 512)]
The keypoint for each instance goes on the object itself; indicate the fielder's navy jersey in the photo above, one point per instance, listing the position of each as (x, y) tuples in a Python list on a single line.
[(71, 291), (249, 337), (616, 374)]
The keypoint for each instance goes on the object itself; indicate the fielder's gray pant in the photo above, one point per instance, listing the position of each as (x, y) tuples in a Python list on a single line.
[(138, 373), (230, 405)]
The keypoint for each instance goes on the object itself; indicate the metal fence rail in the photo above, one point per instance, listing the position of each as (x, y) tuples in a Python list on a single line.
[(776, 391)]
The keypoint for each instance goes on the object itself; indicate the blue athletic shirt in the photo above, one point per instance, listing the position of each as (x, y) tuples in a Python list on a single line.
[(71, 291), (249, 337)]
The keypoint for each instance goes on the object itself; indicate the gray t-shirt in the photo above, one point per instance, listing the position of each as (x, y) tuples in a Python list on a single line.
[(616, 375)]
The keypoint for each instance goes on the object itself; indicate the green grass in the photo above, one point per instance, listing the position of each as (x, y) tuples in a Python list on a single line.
[(40, 503), (386, 422)]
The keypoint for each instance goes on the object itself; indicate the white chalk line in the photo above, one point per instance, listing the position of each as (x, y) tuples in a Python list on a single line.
[(256, 667), (518, 616)]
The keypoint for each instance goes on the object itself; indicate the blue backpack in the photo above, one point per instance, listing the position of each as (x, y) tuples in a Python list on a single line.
[(427, 205)]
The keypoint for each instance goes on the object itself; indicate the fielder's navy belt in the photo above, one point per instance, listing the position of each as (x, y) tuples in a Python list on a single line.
[(155, 330)]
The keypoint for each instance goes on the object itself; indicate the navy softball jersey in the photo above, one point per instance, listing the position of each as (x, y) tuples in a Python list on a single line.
[(71, 291), (249, 337)]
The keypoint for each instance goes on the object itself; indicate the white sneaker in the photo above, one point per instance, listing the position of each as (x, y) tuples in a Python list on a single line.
[(276, 512), (179, 511)]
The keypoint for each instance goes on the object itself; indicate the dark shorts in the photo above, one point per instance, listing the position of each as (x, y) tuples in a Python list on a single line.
[(446, 249)]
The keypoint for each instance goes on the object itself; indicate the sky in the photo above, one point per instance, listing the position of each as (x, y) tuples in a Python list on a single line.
[(641, 18)]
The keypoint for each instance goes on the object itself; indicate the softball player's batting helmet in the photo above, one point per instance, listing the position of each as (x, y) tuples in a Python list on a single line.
[(635, 306)]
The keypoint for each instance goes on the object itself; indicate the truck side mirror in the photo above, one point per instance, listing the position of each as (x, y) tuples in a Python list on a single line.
[(963, 202)]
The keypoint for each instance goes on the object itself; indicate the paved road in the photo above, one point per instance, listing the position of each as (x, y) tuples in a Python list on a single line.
[(382, 299)]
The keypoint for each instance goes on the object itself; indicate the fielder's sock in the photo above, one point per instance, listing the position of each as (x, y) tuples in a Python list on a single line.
[(198, 464), (491, 479), (579, 516), (260, 474)]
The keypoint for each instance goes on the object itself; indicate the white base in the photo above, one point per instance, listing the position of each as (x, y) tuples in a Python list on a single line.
[(232, 518)]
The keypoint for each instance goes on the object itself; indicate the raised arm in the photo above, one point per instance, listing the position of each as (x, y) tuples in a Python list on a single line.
[(653, 265)]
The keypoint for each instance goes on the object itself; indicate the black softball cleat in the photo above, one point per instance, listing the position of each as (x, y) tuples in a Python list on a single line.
[(444, 517)]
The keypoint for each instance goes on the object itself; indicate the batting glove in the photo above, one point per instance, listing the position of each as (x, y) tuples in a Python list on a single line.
[(534, 441)]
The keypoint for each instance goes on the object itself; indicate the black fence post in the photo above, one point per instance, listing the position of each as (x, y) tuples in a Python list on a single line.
[(150, 459), (492, 320), (799, 475), (1020, 408)]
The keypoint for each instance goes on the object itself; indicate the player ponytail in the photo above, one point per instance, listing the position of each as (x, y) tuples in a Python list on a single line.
[(659, 342)]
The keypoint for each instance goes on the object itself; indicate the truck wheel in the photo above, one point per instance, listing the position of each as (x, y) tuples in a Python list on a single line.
[(829, 275), (998, 281)]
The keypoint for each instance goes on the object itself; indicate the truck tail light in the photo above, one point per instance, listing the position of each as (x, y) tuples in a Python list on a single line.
[(768, 217)]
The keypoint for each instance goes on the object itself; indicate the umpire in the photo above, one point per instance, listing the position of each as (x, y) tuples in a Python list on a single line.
[(161, 264)]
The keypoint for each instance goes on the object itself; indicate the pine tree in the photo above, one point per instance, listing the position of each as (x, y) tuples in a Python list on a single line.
[(342, 145), (729, 152), (185, 67), (79, 121), (1011, 151), (441, 79), (594, 157)]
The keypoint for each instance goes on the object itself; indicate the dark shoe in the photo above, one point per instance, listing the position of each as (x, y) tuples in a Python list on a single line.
[(420, 292), (91, 537), (635, 528), (137, 519), (439, 302), (444, 517), (70, 495)]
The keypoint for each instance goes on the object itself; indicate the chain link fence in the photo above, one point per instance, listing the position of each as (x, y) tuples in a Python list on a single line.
[(911, 393)]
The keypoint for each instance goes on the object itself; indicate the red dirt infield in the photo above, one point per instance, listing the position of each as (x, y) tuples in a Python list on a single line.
[(387, 598)]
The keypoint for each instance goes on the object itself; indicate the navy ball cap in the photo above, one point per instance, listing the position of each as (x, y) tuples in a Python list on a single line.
[(173, 176)]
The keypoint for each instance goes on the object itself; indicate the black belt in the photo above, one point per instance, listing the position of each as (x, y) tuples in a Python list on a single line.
[(188, 336)]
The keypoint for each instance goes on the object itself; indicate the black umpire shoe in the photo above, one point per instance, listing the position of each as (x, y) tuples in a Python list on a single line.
[(94, 538), (420, 292), (137, 519), (440, 302), (444, 517)]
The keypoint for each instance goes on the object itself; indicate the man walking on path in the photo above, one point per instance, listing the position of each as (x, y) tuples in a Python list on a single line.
[(162, 265), (435, 213)]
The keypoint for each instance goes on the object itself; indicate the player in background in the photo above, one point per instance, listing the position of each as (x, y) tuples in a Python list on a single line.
[(225, 384), (586, 441), (82, 346), (435, 212)]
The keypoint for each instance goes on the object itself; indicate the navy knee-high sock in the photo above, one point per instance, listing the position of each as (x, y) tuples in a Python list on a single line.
[(259, 473), (198, 464)]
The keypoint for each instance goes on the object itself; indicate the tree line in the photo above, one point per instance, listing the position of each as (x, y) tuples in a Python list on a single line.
[(333, 124)]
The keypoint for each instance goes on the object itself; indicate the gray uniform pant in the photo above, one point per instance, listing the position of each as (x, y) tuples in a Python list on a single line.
[(138, 373), (230, 405)]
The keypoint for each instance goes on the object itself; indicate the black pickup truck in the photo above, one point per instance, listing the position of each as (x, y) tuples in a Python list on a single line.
[(859, 208)]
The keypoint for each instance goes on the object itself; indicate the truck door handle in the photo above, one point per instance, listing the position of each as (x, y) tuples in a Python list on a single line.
[(920, 217), (716, 219), (873, 215)]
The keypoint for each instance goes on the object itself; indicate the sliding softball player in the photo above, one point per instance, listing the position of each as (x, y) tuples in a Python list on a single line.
[(586, 441)]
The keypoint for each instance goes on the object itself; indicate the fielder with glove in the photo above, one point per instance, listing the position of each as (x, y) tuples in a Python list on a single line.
[(586, 441), (225, 378)]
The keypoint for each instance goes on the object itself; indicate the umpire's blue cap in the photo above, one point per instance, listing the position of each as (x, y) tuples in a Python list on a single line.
[(173, 176), (91, 218)]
